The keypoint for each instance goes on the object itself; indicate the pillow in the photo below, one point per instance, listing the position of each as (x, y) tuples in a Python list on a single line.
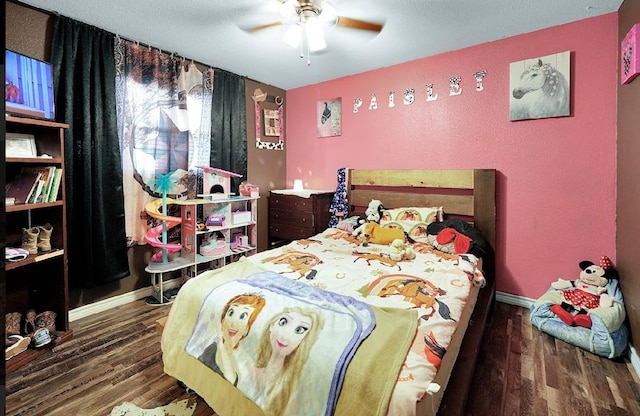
[(420, 214), (415, 229), (413, 220)]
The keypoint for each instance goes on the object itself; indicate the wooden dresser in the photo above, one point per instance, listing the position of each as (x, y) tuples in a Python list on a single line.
[(297, 215)]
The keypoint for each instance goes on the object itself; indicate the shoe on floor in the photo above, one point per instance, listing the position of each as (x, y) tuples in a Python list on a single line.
[(21, 344)]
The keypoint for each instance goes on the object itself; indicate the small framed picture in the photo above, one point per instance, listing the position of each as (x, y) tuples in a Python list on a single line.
[(271, 123), (629, 56), (20, 145), (329, 117)]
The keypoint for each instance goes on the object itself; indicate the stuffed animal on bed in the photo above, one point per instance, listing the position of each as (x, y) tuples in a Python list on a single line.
[(399, 250), (373, 214), (586, 294)]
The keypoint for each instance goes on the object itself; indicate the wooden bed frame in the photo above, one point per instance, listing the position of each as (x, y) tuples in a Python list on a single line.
[(468, 194)]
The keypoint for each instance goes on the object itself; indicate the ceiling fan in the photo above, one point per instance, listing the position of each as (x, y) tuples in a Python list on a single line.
[(307, 19)]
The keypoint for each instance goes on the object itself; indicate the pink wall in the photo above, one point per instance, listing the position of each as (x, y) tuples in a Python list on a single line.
[(556, 185)]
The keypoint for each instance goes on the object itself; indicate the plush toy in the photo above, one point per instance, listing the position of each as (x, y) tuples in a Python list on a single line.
[(585, 294), (349, 224), (373, 214), (376, 234), (399, 250)]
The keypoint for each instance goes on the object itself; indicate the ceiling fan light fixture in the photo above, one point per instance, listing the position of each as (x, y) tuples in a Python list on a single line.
[(315, 35), (293, 35), (328, 14), (289, 11)]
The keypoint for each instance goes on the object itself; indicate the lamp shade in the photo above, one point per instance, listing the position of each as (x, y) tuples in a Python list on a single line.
[(292, 35), (315, 36), (297, 185)]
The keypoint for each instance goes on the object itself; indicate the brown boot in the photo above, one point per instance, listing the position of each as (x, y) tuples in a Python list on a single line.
[(30, 239), (12, 323), (46, 319), (29, 326), (44, 237)]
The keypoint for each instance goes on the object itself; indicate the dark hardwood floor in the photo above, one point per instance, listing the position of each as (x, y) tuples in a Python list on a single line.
[(115, 357)]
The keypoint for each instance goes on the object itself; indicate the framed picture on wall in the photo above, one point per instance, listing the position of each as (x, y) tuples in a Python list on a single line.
[(329, 117), (540, 87), (271, 123), (629, 57)]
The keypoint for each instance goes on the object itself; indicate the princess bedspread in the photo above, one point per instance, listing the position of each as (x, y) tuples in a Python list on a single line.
[(299, 335), (245, 339)]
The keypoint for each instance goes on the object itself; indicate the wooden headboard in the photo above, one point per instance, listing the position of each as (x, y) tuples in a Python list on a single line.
[(463, 193)]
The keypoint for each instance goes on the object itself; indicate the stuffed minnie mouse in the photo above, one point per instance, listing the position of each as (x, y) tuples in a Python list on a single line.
[(587, 293)]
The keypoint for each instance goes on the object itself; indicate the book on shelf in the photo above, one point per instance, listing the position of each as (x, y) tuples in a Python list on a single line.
[(41, 192), (55, 186), (20, 186), (37, 188)]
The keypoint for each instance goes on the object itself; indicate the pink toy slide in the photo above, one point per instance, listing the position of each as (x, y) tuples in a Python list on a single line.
[(152, 236)]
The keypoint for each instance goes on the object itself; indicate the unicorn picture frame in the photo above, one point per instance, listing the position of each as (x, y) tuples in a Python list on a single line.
[(540, 87)]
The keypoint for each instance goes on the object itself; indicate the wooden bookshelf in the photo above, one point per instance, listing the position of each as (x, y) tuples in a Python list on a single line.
[(40, 281)]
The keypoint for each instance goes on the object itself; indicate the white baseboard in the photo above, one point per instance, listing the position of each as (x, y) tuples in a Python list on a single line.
[(635, 359), (119, 300), (514, 300)]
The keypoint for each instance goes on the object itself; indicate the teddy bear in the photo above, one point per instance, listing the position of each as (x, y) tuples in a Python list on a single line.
[(399, 250), (585, 294)]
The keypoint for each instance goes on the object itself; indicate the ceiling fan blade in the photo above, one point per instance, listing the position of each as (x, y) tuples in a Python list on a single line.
[(265, 26), (358, 24)]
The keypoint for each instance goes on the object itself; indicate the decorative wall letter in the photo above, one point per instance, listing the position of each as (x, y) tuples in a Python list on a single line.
[(357, 103), (479, 76), (391, 97), (430, 96), (409, 96), (374, 102), (454, 86)]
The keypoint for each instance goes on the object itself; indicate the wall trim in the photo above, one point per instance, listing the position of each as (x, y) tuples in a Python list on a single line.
[(115, 301), (635, 359), (119, 300), (510, 299)]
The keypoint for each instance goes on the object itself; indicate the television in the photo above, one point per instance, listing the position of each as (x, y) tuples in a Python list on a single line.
[(28, 87)]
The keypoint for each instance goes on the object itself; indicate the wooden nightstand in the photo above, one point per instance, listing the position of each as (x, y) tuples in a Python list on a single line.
[(294, 215)]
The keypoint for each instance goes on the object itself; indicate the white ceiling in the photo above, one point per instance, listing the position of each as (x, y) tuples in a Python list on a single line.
[(214, 31)]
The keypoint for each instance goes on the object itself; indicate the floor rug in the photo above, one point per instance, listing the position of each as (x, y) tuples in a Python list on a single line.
[(182, 408)]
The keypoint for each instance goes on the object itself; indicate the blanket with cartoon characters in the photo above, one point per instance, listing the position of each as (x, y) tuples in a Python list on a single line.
[(433, 288), (285, 344)]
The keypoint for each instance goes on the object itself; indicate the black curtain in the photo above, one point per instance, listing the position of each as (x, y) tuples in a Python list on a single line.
[(229, 125), (84, 86)]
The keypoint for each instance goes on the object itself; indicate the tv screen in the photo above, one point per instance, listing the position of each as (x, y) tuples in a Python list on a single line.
[(28, 87)]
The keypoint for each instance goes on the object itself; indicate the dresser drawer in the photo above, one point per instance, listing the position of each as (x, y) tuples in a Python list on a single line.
[(291, 202), (293, 217), (299, 218), (289, 232)]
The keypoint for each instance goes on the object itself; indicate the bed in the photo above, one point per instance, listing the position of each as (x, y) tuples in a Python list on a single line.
[(387, 346)]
